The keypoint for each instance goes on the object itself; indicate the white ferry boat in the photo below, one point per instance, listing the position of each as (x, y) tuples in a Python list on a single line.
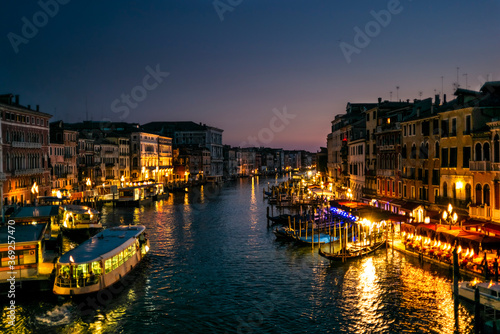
[(80, 220), (488, 293), (101, 261)]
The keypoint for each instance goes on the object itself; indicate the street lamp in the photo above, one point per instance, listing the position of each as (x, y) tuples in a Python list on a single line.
[(449, 216), (34, 190)]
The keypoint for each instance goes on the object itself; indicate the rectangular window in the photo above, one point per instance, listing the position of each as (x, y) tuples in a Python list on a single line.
[(426, 128), (404, 131), (444, 128), (367, 149), (388, 186), (435, 127), (393, 187), (412, 192), (467, 125), (420, 174), (444, 157), (496, 188), (367, 117), (453, 157), (399, 188), (454, 127), (404, 191), (435, 177), (436, 193), (413, 130), (466, 157)]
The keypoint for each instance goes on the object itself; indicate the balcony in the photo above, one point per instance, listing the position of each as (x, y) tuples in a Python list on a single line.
[(386, 147), (385, 172), (20, 172), (23, 144), (459, 203), (480, 166), (480, 211)]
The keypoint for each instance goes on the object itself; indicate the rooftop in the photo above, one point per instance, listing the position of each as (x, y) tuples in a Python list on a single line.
[(22, 233)]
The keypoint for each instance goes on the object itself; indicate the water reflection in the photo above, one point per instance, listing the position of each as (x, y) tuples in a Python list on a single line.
[(214, 266)]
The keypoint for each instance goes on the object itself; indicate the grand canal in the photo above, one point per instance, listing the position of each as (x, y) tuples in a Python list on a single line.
[(215, 267)]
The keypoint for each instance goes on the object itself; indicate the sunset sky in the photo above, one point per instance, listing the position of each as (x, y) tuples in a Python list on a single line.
[(231, 66)]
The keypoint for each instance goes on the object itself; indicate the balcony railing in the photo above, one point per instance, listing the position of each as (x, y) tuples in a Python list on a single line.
[(23, 144), (480, 211), (459, 203), (481, 166), (385, 172), (19, 172)]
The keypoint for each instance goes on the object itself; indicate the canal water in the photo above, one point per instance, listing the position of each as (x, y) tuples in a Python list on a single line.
[(215, 267)]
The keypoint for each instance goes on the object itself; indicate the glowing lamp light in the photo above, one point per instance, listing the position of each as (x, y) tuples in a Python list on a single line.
[(427, 220), (459, 249), (491, 283), (58, 194), (450, 208), (34, 188), (71, 259), (147, 248), (455, 217), (460, 185), (445, 215)]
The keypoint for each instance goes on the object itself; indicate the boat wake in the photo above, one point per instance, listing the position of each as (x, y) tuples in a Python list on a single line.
[(60, 315)]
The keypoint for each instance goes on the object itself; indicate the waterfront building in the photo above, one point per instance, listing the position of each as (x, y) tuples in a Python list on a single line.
[(247, 161), (24, 152), (123, 144), (230, 162), (144, 155), (190, 133), (63, 157), (356, 161)]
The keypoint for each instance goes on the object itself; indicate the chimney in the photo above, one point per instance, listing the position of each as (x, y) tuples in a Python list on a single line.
[(379, 100), (29, 106), (37, 107), (444, 98), (437, 99), (16, 100), (407, 100)]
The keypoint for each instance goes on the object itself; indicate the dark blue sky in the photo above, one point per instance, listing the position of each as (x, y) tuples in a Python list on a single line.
[(232, 73)]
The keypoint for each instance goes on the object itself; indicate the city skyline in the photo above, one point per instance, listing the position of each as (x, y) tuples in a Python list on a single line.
[(235, 65)]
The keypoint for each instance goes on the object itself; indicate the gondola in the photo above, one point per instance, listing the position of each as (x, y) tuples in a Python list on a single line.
[(353, 253)]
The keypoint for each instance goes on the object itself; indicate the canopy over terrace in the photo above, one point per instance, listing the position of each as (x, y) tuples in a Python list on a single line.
[(366, 211), (443, 233)]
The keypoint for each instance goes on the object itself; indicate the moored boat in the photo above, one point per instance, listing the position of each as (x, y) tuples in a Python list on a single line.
[(353, 253), (80, 221), (101, 261), (489, 293)]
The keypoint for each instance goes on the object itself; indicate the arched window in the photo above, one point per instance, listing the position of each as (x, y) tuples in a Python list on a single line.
[(404, 151), (445, 190), (479, 195), (393, 161), (413, 154), (426, 151), (486, 152), (478, 152), (436, 152), (454, 190), (468, 192), (496, 149), (486, 194)]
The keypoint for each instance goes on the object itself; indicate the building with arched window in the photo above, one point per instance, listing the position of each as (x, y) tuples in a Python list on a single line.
[(24, 151)]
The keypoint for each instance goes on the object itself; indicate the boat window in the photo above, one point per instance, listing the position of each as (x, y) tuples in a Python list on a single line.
[(96, 268), (108, 265), (120, 258), (115, 262), (493, 293)]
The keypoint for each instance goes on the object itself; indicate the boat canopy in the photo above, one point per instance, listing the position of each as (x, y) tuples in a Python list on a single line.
[(102, 243)]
